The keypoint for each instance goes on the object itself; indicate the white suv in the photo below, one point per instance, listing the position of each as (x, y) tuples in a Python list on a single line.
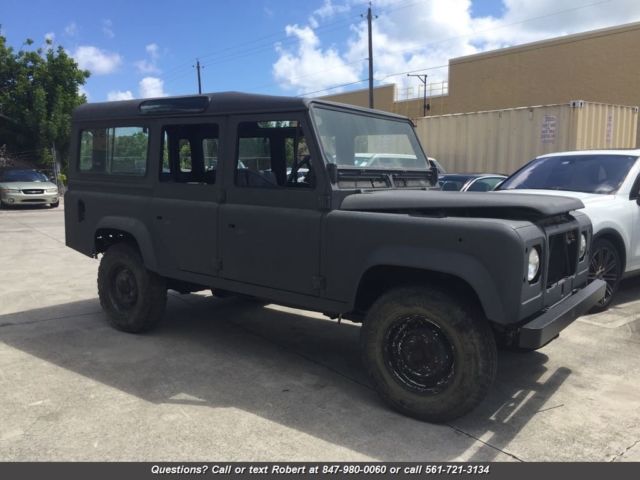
[(608, 183)]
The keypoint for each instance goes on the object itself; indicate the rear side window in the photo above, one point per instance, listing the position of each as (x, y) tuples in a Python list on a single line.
[(190, 153), (114, 151)]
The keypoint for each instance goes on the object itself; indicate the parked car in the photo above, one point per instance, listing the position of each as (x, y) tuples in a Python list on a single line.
[(608, 183), (434, 277), (470, 182), (27, 187)]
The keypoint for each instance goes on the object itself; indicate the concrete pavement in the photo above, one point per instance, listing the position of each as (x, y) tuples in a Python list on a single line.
[(223, 379)]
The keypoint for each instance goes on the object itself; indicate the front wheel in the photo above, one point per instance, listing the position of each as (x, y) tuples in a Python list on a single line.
[(429, 355), (605, 264), (133, 297)]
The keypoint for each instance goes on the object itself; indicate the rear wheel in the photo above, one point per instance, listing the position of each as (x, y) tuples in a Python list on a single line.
[(429, 355), (133, 297), (605, 264)]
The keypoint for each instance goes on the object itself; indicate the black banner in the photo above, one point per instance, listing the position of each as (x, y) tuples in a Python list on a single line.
[(318, 470)]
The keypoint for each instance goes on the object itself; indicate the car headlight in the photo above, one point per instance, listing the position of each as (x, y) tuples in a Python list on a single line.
[(534, 264), (582, 249), (9, 190), (52, 190)]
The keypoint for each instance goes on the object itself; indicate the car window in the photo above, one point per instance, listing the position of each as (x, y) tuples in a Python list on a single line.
[(273, 154), (594, 173), (484, 184), (114, 151), (23, 176), (190, 153)]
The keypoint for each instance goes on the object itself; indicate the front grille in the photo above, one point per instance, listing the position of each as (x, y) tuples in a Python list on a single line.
[(33, 191), (563, 256)]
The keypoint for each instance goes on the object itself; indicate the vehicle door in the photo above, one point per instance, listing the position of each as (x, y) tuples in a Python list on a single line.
[(185, 203), (270, 221)]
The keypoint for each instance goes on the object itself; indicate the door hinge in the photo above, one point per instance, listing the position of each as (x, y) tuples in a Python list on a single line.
[(319, 283)]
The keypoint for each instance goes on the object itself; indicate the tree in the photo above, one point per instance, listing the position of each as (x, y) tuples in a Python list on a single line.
[(38, 91)]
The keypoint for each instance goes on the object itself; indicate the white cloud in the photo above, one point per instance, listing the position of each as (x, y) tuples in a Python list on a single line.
[(152, 87), (119, 95), (97, 61), (107, 28), (153, 50), (71, 29), (422, 35), (298, 69), (149, 66)]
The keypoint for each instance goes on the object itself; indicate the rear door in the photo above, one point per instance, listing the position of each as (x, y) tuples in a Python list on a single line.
[(185, 204)]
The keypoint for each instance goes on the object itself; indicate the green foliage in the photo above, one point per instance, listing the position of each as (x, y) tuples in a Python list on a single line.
[(38, 91)]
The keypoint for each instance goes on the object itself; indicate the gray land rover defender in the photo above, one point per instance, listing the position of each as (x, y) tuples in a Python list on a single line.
[(280, 199)]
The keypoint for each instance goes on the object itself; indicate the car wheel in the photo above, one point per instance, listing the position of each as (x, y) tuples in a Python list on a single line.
[(429, 356), (605, 264), (133, 297), (54, 205)]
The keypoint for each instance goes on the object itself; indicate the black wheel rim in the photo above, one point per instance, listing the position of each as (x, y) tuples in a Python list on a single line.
[(604, 266), (123, 289), (419, 355)]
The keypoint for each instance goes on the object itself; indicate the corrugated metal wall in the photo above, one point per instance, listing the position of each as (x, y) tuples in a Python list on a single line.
[(503, 140)]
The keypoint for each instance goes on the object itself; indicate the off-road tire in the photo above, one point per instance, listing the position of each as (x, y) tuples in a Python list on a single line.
[(602, 246), (473, 350), (135, 313)]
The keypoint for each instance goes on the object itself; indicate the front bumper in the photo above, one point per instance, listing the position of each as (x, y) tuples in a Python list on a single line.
[(544, 328), (20, 198)]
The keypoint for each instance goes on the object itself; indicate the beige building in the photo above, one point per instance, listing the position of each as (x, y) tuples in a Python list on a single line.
[(598, 66)]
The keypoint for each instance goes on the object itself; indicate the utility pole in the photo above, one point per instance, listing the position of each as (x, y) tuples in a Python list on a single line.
[(423, 79), (370, 17), (198, 67)]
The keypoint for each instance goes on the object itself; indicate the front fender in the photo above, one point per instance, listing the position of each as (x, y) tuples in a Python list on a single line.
[(460, 265)]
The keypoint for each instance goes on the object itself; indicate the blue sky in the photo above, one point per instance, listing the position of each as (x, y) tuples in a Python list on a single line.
[(144, 48)]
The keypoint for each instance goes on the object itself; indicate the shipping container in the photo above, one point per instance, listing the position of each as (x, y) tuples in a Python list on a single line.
[(501, 141)]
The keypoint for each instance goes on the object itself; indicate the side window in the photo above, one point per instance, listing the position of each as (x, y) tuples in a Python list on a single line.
[(190, 153), (485, 184), (273, 154), (114, 151)]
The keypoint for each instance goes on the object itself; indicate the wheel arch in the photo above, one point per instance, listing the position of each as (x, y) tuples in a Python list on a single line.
[(381, 278), (618, 242), (112, 230)]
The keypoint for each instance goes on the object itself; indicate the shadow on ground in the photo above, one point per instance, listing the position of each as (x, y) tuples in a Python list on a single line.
[(297, 370)]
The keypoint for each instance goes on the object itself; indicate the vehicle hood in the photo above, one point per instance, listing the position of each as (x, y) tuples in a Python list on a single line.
[(589, 199), (28, 185), (505, 205)]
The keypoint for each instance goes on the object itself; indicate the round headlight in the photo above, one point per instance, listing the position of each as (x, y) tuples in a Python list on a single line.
[(583, 246), (534, 264)]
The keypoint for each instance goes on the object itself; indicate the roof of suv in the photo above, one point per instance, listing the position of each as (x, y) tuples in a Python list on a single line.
[(212, 103)]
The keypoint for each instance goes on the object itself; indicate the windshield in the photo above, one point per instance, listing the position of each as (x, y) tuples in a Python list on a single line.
[(576, 173), (356, 141), (23, 176)]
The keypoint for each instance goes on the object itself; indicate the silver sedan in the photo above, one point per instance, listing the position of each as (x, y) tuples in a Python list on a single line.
[(27, 187)]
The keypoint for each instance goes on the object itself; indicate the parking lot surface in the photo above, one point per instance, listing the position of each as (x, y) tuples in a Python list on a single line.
[(225, 379)]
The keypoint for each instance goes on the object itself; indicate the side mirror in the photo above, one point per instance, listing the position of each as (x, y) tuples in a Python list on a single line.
[(332, 170)]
